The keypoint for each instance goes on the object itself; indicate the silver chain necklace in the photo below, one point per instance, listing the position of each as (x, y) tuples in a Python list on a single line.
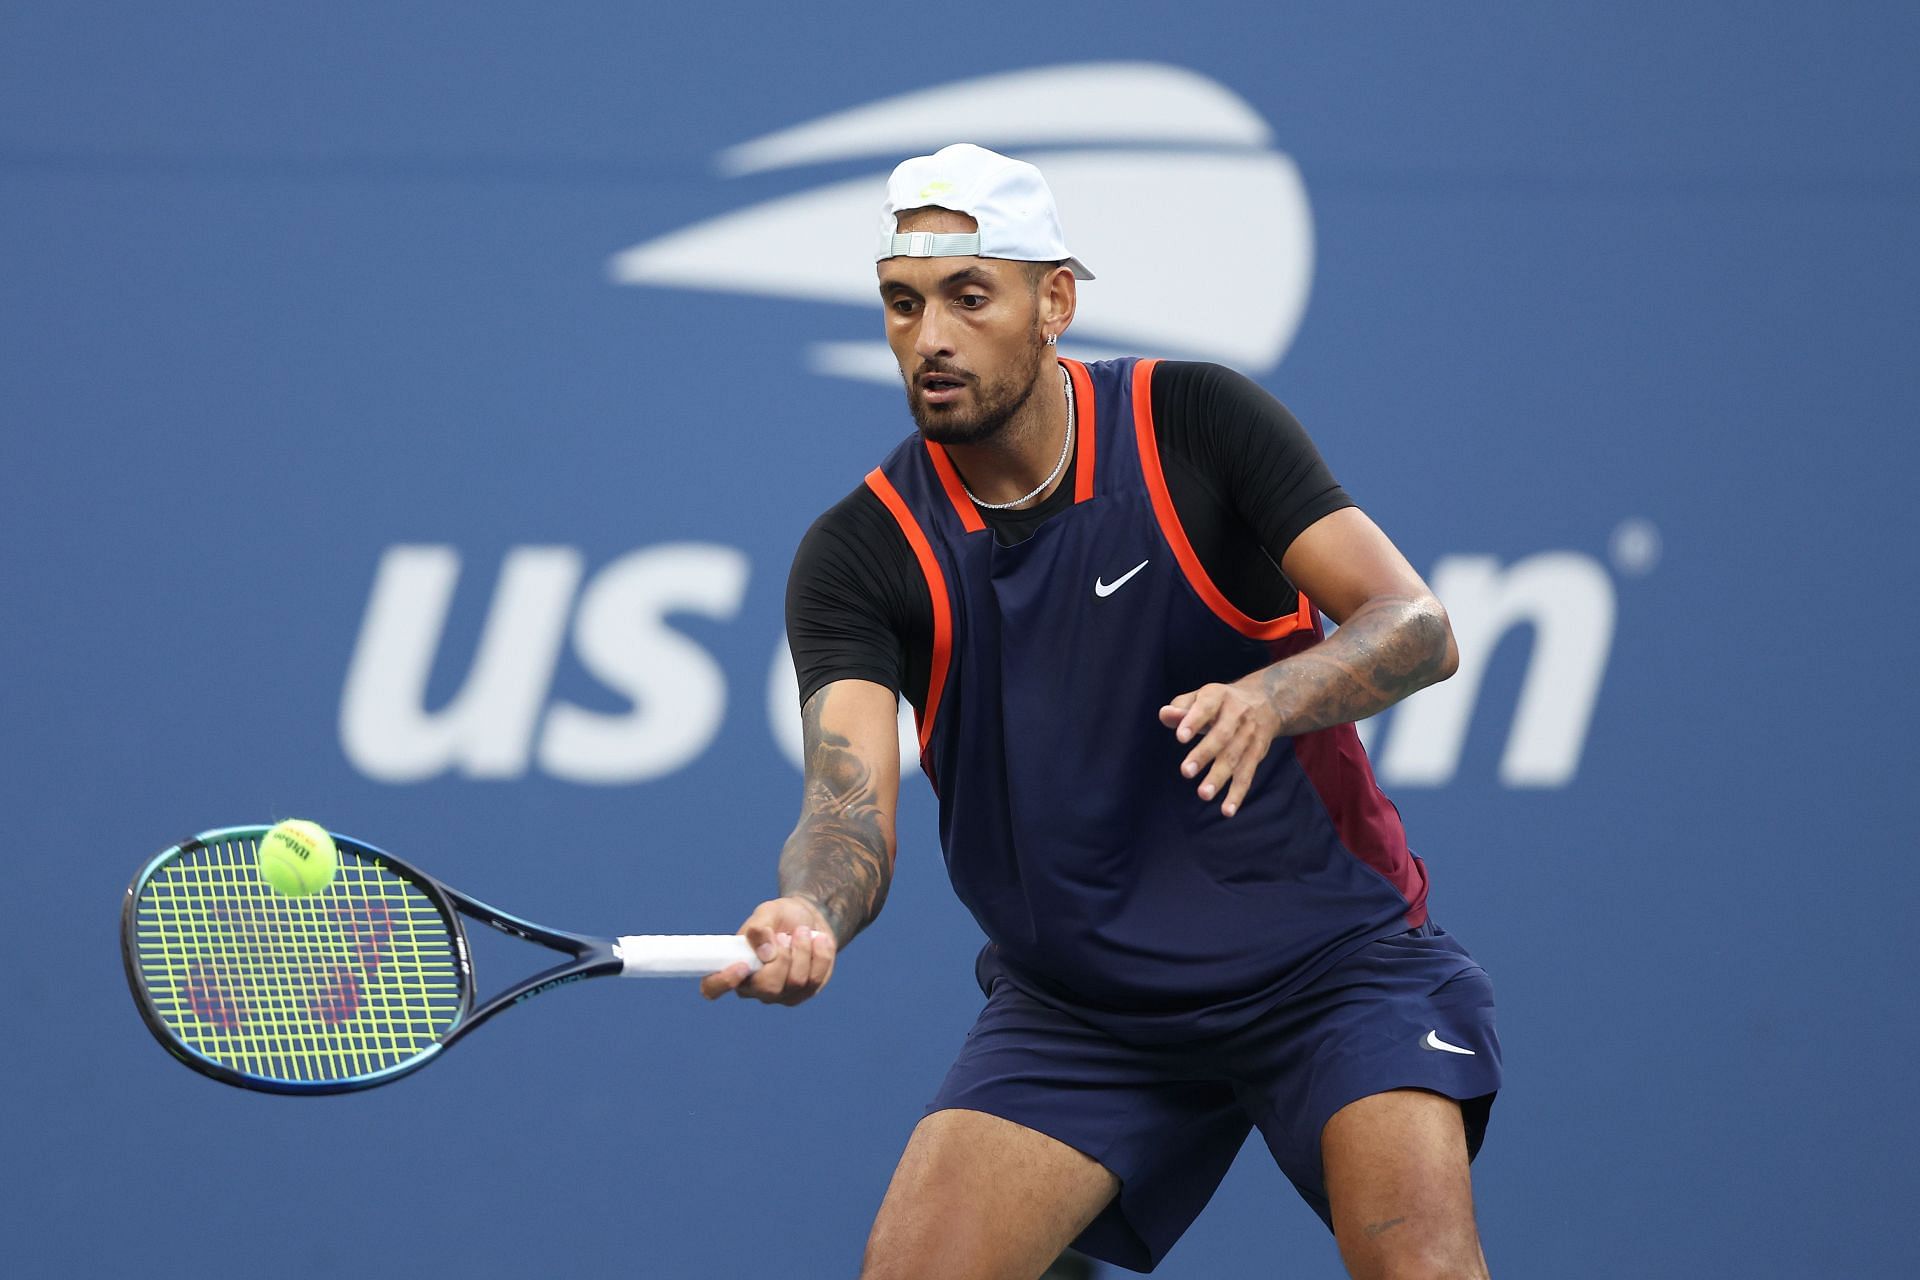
[(1066, 447)]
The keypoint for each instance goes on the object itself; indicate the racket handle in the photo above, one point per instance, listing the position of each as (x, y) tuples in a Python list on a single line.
[(682, 955)]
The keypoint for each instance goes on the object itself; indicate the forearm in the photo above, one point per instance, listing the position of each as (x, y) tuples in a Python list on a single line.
[(840, 855), (840, 868), (1388, 648)]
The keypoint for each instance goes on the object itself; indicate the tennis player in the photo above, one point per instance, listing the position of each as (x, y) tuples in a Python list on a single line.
[(1101, 585)]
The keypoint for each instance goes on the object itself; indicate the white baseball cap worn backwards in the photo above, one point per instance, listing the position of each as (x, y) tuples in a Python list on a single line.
[(1007, 198)]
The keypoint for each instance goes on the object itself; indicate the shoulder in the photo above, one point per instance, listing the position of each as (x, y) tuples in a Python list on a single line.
[(857, 527), (1190, 390), (1210, 415), (856, 600)]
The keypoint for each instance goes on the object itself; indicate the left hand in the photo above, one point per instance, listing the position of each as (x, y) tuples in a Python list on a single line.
[(1235, 725)]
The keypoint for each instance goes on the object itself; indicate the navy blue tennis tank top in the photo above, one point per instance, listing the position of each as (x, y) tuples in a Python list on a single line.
[(1101, 879)]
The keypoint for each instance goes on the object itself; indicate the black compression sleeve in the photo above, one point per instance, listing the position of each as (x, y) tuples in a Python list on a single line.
[(857, 605), (1244, 477)]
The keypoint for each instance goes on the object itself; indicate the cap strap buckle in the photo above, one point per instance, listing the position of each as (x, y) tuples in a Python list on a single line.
[(929, 244)]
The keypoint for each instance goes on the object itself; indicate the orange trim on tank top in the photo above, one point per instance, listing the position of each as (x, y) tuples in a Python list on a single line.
[(1082, 464), (936, 589), (956, 492), (1083, 429), (1203, 586)]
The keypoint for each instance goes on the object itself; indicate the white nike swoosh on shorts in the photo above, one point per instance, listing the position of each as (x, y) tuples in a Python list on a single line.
[(1433, 1041)]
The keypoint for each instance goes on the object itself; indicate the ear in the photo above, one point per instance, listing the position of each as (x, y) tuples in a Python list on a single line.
[(1058, 296)]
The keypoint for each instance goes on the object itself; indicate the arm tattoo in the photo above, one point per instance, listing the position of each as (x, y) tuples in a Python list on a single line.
[(840, 855), (1389, 648), (1375, 1230)]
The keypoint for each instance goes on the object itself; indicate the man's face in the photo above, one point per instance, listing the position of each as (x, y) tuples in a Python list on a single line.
[(966, 333)]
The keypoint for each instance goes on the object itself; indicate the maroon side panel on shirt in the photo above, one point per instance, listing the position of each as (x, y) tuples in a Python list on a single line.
[(1366, 821)]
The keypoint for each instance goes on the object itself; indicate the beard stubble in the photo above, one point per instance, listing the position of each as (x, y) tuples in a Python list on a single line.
[(998, 401)]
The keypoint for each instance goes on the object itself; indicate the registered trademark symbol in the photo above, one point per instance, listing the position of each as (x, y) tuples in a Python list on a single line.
[(1635, 546)]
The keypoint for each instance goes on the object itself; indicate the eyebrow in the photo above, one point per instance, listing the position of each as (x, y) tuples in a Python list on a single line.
[(965, 275)]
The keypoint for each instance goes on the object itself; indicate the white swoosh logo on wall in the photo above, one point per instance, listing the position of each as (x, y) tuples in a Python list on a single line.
[(1129, 148), (1073, 103)]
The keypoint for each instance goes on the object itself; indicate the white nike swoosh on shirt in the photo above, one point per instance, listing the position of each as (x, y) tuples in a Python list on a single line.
[(1433, 1041), (1105, 589)]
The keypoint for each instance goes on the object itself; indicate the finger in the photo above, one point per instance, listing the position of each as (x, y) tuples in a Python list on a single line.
[(1175, 708), (800, 965), (1242, 779), (1206, 705), (715, 985), (1203, 754), (1216, 740), (824, 949), (819, 969), (1224, 767), (759, 932), (771, 981)]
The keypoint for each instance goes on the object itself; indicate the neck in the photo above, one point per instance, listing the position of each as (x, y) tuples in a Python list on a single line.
[(1026, 451)]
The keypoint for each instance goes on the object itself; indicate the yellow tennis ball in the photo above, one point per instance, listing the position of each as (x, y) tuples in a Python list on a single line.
[(298, 858)]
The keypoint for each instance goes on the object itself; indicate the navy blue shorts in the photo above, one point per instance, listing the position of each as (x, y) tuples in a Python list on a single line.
[(1167, 1120)]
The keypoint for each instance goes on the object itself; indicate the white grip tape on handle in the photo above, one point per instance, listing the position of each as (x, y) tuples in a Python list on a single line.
[(681, 955)]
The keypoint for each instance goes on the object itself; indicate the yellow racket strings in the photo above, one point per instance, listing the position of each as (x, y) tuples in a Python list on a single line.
[(339, 984)]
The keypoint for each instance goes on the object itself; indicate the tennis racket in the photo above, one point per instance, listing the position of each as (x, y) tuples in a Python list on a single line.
[(356, 985)]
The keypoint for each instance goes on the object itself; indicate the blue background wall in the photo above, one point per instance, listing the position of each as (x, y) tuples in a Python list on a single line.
[(284, 288)]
